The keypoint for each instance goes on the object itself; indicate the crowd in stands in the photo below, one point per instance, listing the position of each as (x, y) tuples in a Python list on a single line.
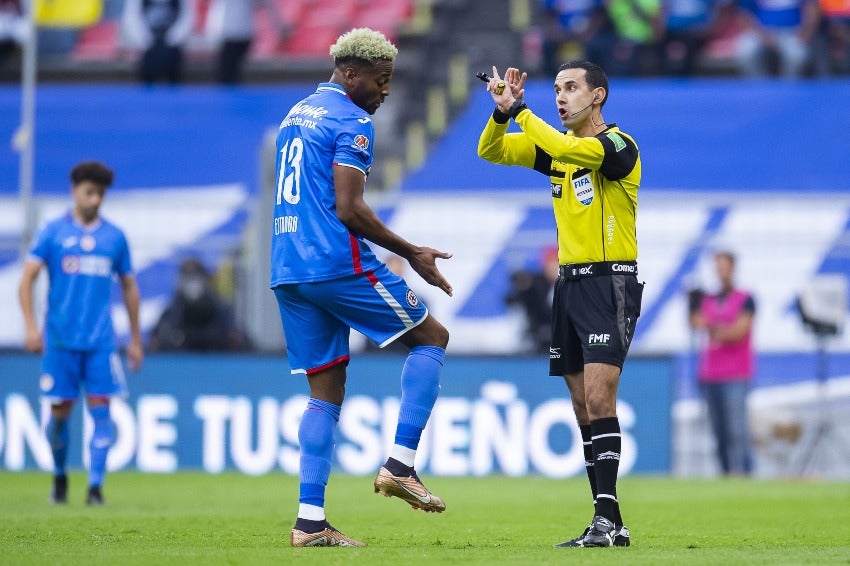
[(163, 36), (752, 38), (790, 38)]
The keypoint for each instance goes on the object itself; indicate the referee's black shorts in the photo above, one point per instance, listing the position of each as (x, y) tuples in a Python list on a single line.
[(593, 321)]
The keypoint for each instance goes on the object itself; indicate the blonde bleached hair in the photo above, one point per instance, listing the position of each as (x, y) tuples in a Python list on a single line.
[(363, 43)]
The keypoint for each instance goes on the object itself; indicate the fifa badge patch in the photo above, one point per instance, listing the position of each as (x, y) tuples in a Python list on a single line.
[(412, 299), (583, 187)]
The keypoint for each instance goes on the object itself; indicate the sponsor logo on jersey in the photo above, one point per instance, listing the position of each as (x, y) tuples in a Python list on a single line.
[(95, 265), (557, 190), (364, 120), (69, 242), (361, 142), (87, 243), (598, 339), (71, 264), (412, 299), (583, 187)]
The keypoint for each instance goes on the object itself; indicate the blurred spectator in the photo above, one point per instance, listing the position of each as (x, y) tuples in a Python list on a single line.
[(532, 291), (833, 56), (574, 29), (726, 363), (639, 28), (230, 26), (14, 29), (779, 32), (196, 319), (159, 29), (688, 24)]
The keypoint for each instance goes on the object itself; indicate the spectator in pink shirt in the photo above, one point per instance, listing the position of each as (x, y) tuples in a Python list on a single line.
[(726, 363)]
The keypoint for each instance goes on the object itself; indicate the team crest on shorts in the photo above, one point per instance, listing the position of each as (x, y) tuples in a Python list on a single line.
[(46, 382), (412, 299)]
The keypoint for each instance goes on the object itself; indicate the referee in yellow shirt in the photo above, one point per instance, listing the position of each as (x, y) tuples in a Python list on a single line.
[(594, 170)]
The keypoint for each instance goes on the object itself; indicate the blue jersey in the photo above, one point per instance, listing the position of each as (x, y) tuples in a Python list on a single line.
[(80, 263), (309, 243)]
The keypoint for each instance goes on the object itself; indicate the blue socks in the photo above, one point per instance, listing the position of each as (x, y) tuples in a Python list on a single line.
[(101, 440), (420, 385), (57, 437), (316, 436)]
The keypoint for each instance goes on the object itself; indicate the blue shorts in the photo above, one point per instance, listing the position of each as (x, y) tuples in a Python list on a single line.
[(318, 316), (64, 372)]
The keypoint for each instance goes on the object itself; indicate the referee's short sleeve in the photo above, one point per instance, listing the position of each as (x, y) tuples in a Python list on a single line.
[(621, 154)]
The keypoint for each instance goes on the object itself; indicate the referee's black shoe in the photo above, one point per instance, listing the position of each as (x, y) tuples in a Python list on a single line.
[(601, 532), (621, 538)]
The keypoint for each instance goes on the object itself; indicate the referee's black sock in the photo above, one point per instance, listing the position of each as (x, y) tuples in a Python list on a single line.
[(606, 448), (587, 444)]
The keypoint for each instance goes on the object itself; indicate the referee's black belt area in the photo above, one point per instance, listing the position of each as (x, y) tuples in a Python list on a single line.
[(573, 271)]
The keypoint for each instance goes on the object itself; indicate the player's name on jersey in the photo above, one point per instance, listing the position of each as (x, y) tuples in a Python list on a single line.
[(285, 224)]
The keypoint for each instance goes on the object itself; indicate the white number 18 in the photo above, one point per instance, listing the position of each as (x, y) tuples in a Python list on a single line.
[(289, 178)]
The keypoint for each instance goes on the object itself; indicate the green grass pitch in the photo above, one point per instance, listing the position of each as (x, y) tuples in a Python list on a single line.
[(195, 518)]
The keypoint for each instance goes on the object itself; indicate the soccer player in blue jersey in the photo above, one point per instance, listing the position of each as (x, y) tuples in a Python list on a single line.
[(82, 253), (327, 280)]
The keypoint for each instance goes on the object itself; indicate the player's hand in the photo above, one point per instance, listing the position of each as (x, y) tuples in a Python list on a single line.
[(33, 341), (135, 355), (424, 262)]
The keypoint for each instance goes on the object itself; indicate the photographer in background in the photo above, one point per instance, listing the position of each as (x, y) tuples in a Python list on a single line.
[(197, 319), (726, 362)]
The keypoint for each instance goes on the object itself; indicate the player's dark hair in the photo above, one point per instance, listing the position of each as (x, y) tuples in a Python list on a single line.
[(594, 75), (94, 172), (352, 61)]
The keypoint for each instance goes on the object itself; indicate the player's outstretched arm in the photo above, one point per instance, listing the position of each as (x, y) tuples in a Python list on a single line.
[(132, 300), (353, 211), (32, 335)]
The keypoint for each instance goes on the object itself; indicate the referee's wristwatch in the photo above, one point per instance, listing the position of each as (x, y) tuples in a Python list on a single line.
[(518, 106)]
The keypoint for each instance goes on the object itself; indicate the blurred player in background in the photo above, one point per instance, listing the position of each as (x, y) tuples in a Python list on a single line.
[(82, 252), (594, 170), (327, 280), (726, 363)]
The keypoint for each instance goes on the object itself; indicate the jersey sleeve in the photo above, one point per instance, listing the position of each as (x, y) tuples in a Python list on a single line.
[(123, 265), (40, 250), (354, 143), (584, 152), (497, 146), (621, 154)]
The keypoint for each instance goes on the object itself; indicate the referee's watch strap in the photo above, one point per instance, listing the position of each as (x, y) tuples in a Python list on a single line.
[(517, 107)]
